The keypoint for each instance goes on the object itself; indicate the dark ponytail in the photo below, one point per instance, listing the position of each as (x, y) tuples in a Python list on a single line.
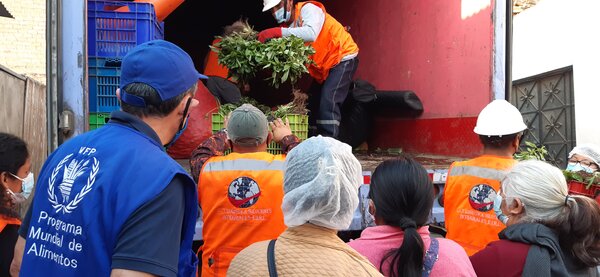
[(403, 196), (579, 230)]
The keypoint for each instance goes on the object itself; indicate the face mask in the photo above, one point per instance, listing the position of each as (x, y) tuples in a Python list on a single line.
[(497, 203), (178, 134), (282, 16), (578, 167), (182, 125), (27, 185)]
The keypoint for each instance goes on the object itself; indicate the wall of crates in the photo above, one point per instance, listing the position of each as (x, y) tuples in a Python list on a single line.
[(114, 28)]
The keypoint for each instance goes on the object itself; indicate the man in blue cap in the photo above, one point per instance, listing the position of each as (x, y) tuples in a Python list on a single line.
[(111, 201)]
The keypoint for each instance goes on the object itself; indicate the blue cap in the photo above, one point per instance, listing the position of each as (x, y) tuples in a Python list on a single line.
[(160, 64)]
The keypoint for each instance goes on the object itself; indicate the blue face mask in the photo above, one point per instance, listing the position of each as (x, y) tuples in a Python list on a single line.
[(282, 16), (497, 203), (578, 167), (183, 124), (178, 134)]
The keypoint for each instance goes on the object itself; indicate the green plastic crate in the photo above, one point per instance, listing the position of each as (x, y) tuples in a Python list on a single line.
[(298, 124), (98, 119)]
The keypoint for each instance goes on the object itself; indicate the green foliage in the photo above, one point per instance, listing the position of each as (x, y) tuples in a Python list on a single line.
[(583, 177), (225, 109), (532, 151), (281, 111), (240, 55), (286, 58)]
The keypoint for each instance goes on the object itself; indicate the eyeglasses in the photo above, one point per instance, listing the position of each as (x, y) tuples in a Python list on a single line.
[(18, 178), (583, 163)]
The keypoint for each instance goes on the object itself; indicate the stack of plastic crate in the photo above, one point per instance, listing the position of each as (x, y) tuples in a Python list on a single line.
[(114, 28)]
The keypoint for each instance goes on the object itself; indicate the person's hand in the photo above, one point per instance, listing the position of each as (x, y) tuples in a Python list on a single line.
[(280, 129), (269, 34)]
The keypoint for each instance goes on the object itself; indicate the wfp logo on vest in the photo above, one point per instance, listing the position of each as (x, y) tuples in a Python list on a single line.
[(243, 192), (72, 169), (481, 197)]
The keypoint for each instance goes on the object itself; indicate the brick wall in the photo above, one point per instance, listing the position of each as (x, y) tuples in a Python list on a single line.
[(23, 38)]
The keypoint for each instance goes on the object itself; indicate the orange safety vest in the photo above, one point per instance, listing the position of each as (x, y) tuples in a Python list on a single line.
[(8, 221), (240, 196), (212, 66), (332, 44), (469, 195)]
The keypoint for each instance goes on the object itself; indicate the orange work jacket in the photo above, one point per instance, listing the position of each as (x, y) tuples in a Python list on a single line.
[(8, 221), (332, 44), (469, 195), (212, 66), (240, 196)]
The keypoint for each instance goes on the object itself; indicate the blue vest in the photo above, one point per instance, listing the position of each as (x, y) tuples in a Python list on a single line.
[(87, 190)]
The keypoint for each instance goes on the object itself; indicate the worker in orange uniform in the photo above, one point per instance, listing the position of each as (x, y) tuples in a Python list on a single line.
[(335, 59), (240, 194), (472, 185)]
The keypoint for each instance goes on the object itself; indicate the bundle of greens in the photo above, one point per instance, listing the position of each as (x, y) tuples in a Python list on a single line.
[(532, 151), (240, 55), (225, 109), (286, 58), (298, 106)]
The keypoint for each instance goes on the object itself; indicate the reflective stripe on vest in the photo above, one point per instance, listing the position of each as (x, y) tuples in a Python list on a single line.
[(243, 164), (481, 172), (332, 44), (468, 197)]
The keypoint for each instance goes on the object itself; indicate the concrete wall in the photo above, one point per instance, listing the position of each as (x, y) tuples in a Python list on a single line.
[(442, 50), (23, 113), (559, 33), (23, 46)]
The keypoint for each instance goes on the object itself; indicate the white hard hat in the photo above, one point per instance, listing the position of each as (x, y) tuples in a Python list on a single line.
[(499, 118), (269, 4)]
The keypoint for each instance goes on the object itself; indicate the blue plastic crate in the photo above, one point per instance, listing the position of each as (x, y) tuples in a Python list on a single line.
[(104, 76), (115, 27)]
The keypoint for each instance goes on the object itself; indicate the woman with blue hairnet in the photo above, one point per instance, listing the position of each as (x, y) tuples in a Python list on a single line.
[(321, 194)]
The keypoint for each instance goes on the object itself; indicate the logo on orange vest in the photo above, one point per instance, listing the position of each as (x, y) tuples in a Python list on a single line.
[(481, 197), (243, 192)]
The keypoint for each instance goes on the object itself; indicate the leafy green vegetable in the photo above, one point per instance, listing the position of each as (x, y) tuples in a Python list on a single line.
[(583, 177), (532, 151), (285, 58)]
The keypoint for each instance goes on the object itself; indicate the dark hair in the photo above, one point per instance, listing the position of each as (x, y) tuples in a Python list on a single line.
[(578, 230), (154, 105), (498, 142), (403, 197), (13, 155)]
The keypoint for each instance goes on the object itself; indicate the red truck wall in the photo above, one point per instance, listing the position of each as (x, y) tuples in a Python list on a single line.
[(426, 46)]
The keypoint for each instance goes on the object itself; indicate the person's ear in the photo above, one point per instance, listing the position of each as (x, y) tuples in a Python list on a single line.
[(269, 138), (4, 179), (119, 94), (516, 207), (371, 207), (516, 142)]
